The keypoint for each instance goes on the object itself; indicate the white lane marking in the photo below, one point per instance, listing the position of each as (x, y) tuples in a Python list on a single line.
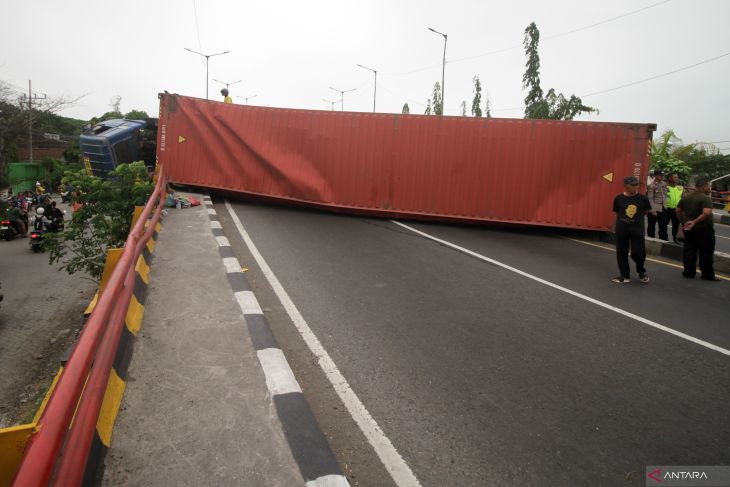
[(215, 224), (722, 237), (232, 264), (223, 241), (279, 376), (568, 291), (393, 462), (248, 303), (328, 481), (211, 211)]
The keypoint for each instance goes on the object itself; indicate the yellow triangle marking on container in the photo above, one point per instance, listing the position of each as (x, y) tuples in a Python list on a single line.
[(608, 177), (180, 139)]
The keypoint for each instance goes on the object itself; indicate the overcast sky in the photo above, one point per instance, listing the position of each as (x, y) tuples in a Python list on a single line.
[(289, 53)]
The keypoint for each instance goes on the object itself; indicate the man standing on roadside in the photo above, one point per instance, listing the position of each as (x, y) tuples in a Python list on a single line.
[(630, 207), (695, 212), (657, 193), (674, 194)]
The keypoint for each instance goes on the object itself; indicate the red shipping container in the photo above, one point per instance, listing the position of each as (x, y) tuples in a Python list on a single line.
[(536, 172)]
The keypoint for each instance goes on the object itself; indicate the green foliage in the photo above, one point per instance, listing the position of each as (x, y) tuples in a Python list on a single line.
[(554, 105), (463, 108), (488, 107), (476, 103), (406, 109), (438, 107), (103, 221), (136, 115), (428, 108), (666, 155), (107, 116)]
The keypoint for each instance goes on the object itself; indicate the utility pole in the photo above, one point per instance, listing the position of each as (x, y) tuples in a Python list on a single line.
[(342, 97), (375, 91), (443, 71), (31, 99)]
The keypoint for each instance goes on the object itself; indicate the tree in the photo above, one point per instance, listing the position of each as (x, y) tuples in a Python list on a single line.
[(476, 103), (463, 108), (428, 108), (136, 115), (115, 103), (103, 221), (667, 153), (406, 109), (14, 119), (438, 108), (488, 106), (537, 105), (534, 103)]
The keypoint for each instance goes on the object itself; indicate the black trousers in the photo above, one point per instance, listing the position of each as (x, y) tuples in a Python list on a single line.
[(699, 241), (672, 216), (634, 239), (662, 218)]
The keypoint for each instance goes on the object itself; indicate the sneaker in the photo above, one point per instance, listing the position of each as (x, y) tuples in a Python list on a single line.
[(621, 280), (643, 278)]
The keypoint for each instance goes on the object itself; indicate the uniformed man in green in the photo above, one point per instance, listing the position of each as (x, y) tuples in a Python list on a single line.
[(695, 212)]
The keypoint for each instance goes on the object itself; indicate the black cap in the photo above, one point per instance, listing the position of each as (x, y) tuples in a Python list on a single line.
[(658, 172), (631, 180)]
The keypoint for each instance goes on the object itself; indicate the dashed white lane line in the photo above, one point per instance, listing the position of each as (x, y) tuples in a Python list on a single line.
[(398, 469), (607, 306)]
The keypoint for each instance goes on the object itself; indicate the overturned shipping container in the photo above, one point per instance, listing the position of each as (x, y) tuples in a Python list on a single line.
[(535, 172)]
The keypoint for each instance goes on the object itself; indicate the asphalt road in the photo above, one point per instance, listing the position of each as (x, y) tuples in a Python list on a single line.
[(39, 318), (480, 375)]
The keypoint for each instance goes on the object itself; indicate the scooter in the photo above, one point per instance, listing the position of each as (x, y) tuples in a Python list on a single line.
[(36, 241)]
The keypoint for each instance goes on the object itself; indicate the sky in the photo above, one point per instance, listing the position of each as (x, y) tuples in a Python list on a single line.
[(290, 53)]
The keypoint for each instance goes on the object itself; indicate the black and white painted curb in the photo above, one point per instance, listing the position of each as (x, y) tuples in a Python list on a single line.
[(308, 444)]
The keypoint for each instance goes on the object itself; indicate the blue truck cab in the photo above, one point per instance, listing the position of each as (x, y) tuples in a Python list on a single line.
[(112, 142)]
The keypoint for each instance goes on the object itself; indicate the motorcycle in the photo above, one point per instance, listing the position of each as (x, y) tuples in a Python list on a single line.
[(8, 230), (36, 241)]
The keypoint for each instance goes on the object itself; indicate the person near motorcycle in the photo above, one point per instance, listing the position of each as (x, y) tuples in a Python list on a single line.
[(16, 218), (42, 222)]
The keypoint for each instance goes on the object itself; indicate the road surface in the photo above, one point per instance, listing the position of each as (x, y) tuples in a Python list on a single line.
[(494, 356), (39, 318)]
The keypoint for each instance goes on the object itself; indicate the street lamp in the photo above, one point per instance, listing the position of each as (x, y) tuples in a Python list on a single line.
[(246, 98), (332, 103), (207, 58), (443, 70), (342, 97), (375, 91), (227, 84)]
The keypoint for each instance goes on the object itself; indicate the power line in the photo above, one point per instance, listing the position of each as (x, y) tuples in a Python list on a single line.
[(519, 46), (657, 76), (197, 29)]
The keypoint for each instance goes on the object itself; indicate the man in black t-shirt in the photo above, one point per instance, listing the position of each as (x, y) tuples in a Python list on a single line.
[(630, 208)]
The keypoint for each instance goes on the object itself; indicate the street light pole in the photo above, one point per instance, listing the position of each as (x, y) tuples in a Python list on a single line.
[(375, 90), (246, 98), (342, 97), (443, 71), (332, 103), (207, 59), (227, 84)]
